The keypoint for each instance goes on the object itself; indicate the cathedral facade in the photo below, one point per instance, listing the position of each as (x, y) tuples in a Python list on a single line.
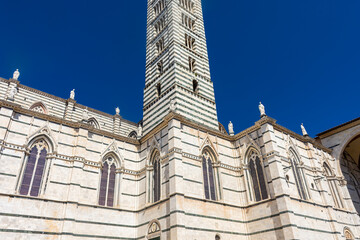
[(71, 172)]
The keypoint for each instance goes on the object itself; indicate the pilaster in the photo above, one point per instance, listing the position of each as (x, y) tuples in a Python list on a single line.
[(117, 123), (69, 109)]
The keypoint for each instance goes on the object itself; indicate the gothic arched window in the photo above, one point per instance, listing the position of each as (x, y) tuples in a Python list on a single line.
[(332, 186), (298, 176), (209, 176), (108, 182), (156, 177), (34, 169), (255, 177), (38, 107), (348, 235), (133, 134), (94, 123)]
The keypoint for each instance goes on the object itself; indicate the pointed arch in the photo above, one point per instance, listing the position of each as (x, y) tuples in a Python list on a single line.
[(45, 133), (331, 180), (133, 134), (298, 173), (113, 150), (112, 164), (108, 181), (348, 234), (210, 174), (36, 164), (256, 182), (93, 122), (207, 143), (154, 230), (154, 176), (39, 107)]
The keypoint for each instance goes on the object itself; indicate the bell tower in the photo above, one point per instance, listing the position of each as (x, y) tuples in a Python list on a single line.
[(177, 64)]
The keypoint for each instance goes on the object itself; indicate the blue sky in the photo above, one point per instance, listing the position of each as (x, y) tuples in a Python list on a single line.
[(300, 58)]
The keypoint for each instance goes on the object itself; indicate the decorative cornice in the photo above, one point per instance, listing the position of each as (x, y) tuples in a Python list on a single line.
[(17, 108), (65, 101)]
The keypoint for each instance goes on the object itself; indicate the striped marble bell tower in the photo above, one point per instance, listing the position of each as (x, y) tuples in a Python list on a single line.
[(177, 64)]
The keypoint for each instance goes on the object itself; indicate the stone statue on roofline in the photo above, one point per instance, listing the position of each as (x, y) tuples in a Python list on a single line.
[(262, 110), (72, 94), (231, 128), (16, 74), (304, 132), (117, 111)]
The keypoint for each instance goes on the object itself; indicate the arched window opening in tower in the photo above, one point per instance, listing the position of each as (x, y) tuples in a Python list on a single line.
[(187, 4), (159, 6), (257, 177), (195, 86), (159, 25), (107, 182), (34, 169), (160, 45), (298, 175), (208, 175), (188, 22), (191, 64), (158, 89), (189, 42), (160, 66)]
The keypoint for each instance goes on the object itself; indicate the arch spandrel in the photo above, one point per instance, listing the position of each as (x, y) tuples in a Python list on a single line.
[(46, 134), (113, 150), (340, 141)]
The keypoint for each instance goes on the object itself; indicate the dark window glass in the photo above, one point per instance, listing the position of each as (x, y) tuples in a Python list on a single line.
[(206, 183), (158, 89), (211, 180), (261, 176), (195, 85), (29, 169), (38, 174), (111, 190), (255, 181), (157, 182), (103, 184)]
